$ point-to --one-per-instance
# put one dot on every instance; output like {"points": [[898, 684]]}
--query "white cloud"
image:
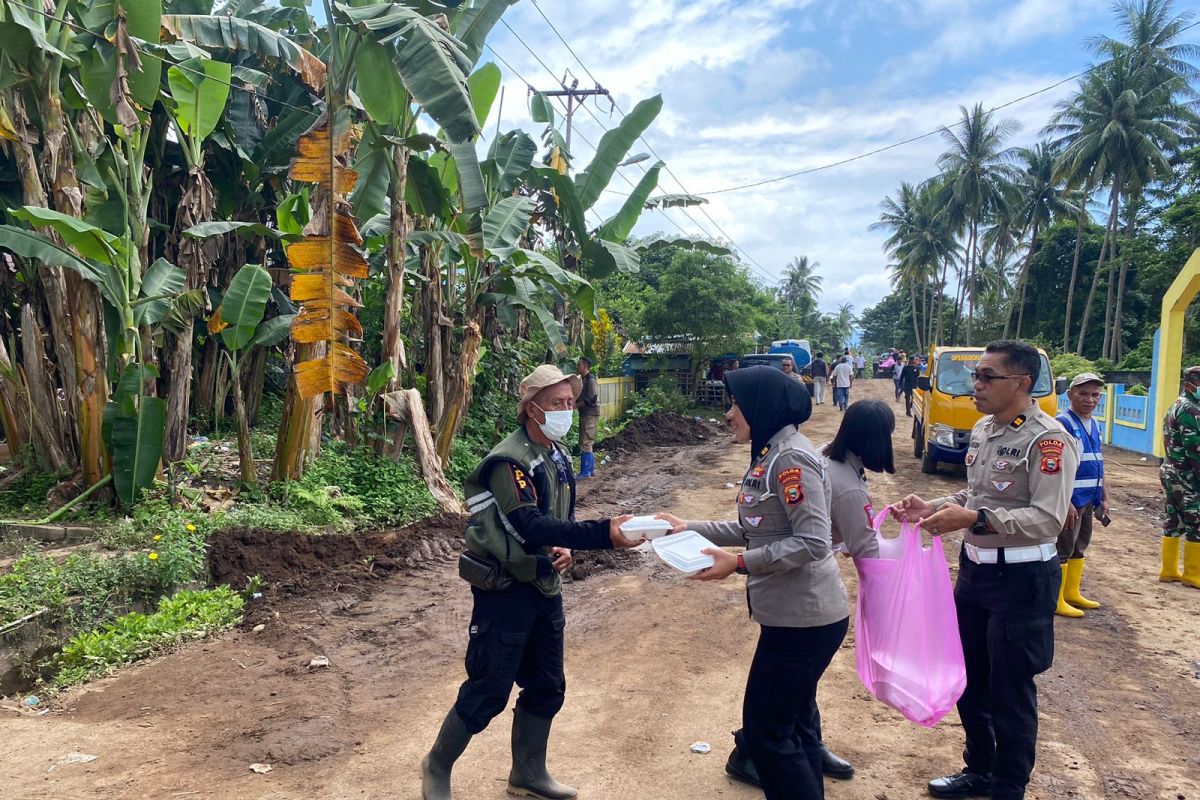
{"points": [[754, 91]]}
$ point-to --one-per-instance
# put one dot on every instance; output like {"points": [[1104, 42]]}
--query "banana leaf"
{"points": [[137, 446], [618, 227], [243, 306], [614, 146]]}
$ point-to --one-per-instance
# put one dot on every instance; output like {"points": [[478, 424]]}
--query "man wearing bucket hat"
{"points": [[1020, 472], [522, 503], [1089, 497]]}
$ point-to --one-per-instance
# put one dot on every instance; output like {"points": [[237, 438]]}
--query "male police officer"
{"points": [[1180, 474], [522, 502], [1020, 469]]}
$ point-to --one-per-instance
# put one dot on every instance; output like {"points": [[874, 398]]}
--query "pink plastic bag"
{"points": [[907, 647]]}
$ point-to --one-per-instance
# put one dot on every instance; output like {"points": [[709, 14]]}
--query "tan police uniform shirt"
{"points": [[850, 511], [1021, 475], [783, 522]]}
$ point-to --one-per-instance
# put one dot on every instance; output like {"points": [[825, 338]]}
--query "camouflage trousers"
{"points": [[1182, 489]]}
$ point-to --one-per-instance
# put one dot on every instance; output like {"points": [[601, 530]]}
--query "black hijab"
{"points": [[769, 400]]}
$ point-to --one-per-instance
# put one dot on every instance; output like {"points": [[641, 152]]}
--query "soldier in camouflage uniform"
{"points": [[1180, 476]]}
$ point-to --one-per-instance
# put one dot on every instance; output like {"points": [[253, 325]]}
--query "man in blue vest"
{"points": [[1089, 499]]}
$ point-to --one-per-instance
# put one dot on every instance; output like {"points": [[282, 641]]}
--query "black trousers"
{"points": [[1006, 621], [516, 636], [779, 723], [908, 397]]}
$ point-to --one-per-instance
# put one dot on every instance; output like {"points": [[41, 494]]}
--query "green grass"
{"points": [[134, 636]]}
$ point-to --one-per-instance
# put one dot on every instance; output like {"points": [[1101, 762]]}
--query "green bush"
{"points": [[1068, 365], [26, 494], [1137, 390], [1140, 357], [661, 395], [356, 483], [188, 614]]}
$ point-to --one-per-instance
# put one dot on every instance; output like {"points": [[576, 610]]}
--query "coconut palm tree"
{"points": [[1119, 131], [800, 287], [1040, 197], [977, 166]]}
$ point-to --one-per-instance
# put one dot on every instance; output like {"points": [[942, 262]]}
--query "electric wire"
{"points": [[752, 262]]}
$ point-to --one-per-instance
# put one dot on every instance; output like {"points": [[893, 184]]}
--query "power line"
{"points": [[885, 148], [761, 269]]}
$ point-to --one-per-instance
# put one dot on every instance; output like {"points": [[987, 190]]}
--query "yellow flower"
{"points": [[190, 527], [158, 538], [153, 556]]}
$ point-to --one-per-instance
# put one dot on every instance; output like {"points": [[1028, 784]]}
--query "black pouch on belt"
{"points": [[483, 572]]}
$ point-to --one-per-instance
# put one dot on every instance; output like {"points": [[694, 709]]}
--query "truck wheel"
{"points": [[918, 435], [929, 464]]}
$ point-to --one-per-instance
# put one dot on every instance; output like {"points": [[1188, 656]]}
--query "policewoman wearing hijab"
{"points": [[794, 590], [522, 502]]}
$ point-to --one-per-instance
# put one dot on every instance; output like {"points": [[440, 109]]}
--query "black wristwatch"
{"points": [[980, 528]]}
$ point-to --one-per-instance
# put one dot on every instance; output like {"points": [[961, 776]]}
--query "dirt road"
{"points": [[654, 664]]}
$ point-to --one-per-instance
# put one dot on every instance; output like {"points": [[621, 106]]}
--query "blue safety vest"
{"points": [[1089, 477]]}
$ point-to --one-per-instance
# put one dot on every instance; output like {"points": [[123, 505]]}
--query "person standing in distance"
{"points": [[897, 373], [589, 418], [843, 379], [820, 374], [860, 365], [1020, 471], [522, 503], [789, 369], [1089, 498], [1180, 475], [908, 382]]}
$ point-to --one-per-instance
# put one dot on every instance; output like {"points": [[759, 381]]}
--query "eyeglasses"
{"points": [[987, 377]]}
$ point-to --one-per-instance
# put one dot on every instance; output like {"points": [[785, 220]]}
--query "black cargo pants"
{"points": [[516, 636], [1006, 621]]}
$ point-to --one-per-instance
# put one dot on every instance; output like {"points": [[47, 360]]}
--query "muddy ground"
{"points": [[654, 664]]}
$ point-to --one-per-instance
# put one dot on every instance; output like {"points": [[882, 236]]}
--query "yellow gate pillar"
{"points": [[1169, 357]]}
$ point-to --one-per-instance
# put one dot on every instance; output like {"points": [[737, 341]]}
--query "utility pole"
{"points": [[575, 98]]}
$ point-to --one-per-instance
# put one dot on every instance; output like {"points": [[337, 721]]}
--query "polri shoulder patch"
{"points": [[523, 484], [790, 486]]}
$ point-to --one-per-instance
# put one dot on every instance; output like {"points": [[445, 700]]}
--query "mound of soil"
{"points": [[660, 429], [308, 561]]}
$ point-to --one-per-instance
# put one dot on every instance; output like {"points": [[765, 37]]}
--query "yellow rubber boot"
{"points": [[1074, 575], [1170, 559], [1063, 609], [1191, 564]]}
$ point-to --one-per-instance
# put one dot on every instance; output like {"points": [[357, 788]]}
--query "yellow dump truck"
{"points": [[944, 411]]}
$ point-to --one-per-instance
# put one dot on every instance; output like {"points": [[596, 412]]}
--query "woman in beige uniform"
{"points": [[793, 588]]}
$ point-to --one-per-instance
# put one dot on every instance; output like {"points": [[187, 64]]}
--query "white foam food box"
{"points": [[682, 551], [644, 527]]}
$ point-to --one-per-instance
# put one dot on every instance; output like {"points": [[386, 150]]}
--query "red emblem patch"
{"points": [[790, 486], [1051, 465], [758, 471], [870, 515]]}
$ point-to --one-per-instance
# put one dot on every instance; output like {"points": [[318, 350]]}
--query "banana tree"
{"points": [[239, 321], [199, 91]]}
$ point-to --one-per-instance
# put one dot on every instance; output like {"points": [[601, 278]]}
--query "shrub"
{"points": [[1068, 365], [661, 395], [355, 482], [1137, 390], [188, 614]]}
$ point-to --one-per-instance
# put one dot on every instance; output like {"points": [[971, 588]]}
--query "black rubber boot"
{"points": [[739, 765], [835, 767], [451, 741], [529, 777]]}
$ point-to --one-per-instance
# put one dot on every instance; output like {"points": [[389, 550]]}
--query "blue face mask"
{"points": [[1196, 394]]}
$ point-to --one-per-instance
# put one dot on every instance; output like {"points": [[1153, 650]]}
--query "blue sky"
{"points": [[757, 89]]}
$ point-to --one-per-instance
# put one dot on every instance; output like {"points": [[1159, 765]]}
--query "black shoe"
{"points": [[961, 784], [835, 767], [742, 768]]}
